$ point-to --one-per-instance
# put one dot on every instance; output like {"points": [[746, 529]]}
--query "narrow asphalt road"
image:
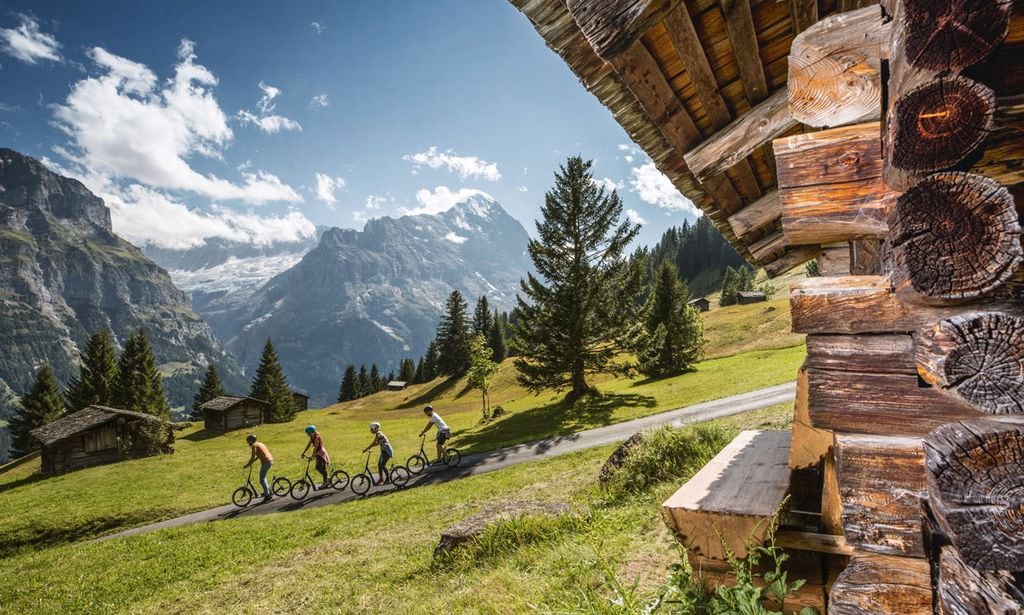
{"points": [[503, 457]]}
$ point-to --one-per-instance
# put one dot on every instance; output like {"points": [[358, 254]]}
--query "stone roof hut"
{"points": [[229, 412]]}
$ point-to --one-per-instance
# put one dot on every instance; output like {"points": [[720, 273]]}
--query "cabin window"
{"points": [[102, 439]]}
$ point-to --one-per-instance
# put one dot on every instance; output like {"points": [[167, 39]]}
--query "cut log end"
{"points": [[975, 473], [938, 124], [950, 36], [978, 357], [964, 590], [954, 236]]}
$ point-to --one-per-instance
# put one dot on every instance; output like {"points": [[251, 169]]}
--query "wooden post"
{"points": [[977, 357], [954, 236], [976, 490]]}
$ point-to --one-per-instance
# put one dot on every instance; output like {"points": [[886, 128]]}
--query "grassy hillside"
{"points": [[374, 555]]}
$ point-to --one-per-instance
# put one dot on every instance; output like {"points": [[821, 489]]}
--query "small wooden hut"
{"points": [[885, 139], [98, 435], [229, 412], [745, 297], [701, 304], [301, 401], [396, 385]]}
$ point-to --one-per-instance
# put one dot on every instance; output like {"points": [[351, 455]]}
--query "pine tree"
{"points": [[349, 389], [43, 404], [430, 362], [453, 338], [407, 372], [374, 379], [96, 375], [210, 389], [674, 331], [139, 386], [481, 368], [271, 385], [577, 317], [365, 386], [496, 340], [418, 377], [730, 287], [482, 317]]}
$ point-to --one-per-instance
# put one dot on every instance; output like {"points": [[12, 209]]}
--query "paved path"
{"points": [[505, 457]]}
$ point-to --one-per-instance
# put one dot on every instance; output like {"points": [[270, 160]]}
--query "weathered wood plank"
{"points": [[831, 500], [732, 495], [756, 215], [881, 485], [792, 257], [885, 353], [882, 585], [810, 541], [879, 404], [772, 244], [976, 491], [641, 74], [977, 357], [739, 139], [739, 23], [830, 186], [808, 445], [835, 74], [962, 590], [1002, 157], [611, 26], [834, 260], [803, 13], [866, 257]]}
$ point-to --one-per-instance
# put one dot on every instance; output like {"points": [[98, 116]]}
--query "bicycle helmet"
{"points": [[374, 426], [428, 409], [250, 438], [310, 429]]}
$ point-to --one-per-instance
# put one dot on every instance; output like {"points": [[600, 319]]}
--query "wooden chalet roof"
{"points": [[697, 83], [226, 402], [84, 420]]}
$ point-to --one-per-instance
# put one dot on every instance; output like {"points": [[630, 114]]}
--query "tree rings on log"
{"points": [[954, 236], [962, 590], [936, 125], [977, 357], [975, 474], [950, 35]]}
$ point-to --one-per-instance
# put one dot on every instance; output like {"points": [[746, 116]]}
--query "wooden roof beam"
{"points": [[803, 13], [612, 26], [756, 215], [739, 139], [739, 23]]}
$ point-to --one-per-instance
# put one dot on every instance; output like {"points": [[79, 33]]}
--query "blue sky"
{"points": [[198, 119]]}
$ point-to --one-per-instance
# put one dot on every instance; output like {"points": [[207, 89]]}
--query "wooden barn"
{"points": [[98, 435], [396, 385], [887, 141], [301, 401], [745, 297], [701, 304], [228, 412]]}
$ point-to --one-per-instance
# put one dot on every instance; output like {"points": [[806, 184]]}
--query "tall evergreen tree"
{"points": [[407, 372], [482, 317], [430, 362], [365, 386], [41, 405], [139, 386], [419, 377], [496, 340], [349, 389], [375, 379], [210, 389], [577, 316], [271, 385], [97, 374], [453, 337], [673, 339]]}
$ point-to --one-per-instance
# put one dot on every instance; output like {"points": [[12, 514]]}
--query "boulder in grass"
{"points": [[618, 457], [470, 528]]}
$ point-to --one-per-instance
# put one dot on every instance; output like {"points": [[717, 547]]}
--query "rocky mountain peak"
{"points": [[27, 187]]}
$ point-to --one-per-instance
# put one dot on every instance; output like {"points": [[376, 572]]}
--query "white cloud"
{"points": [[319, 101], [126, 124], [318, 27], [466, 166], [375, 201], [5, 108], [456, 239], [655, 188], [634, 216], [522, 188], [266, 120], [625, 147], [28, 44], [440, 199], [326, 186], [609, 184]]}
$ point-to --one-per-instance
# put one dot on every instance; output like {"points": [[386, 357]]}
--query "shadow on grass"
{"points": [[557, 419], [199, 436], [430, 394], [27, 480]]}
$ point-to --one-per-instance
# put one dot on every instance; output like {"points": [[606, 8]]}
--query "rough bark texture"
{"points": [[978, 357], [611, 26], [962, 590], [891, 354], [954, 236], [935, 126], [882, 585], [975, 472]]}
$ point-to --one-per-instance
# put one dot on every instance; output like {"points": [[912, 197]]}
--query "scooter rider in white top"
{"points": [[443, 433]]}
